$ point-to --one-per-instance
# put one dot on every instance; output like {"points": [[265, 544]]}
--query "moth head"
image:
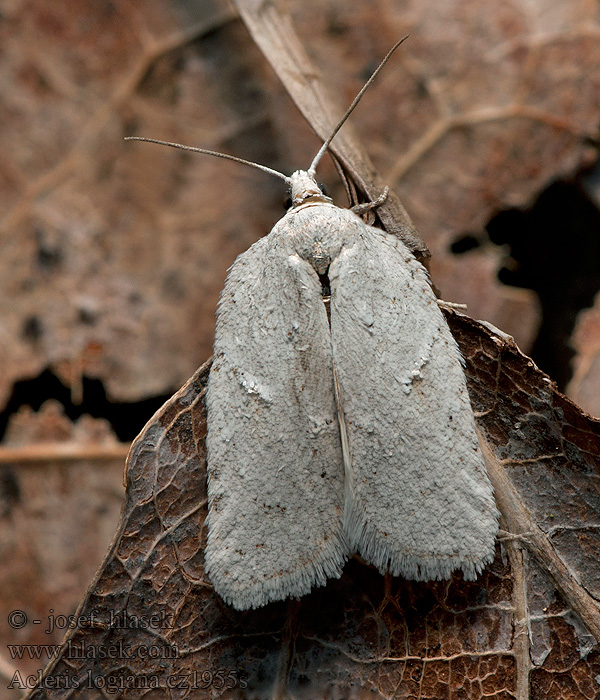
{"points": [[304, 188]]}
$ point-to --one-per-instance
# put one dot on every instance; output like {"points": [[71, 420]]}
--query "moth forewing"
{"points": [[421, 505], [275, 474]]}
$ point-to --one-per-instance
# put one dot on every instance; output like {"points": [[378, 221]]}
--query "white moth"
{"points": [[330, 434]]}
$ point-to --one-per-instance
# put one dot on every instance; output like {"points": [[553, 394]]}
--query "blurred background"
{"points": [[113, 254]]}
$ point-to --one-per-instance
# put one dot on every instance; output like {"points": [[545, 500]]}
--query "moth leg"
{"points": [[451, 306], [360, 209]]}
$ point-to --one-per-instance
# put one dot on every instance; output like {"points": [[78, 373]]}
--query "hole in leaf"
{"points": [[554, 250], [126, 419]]}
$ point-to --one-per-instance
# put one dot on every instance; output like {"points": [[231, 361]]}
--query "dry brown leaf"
{"points": [[512, 630], [97, 262]]}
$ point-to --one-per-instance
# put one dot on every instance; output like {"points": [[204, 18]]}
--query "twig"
{"points": [[63, 452]]}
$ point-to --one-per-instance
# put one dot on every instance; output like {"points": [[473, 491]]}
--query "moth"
{"points": [[338, 415]]}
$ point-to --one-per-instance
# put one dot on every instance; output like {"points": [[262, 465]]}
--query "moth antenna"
{"points": [[348, 112], [264, 168]]}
